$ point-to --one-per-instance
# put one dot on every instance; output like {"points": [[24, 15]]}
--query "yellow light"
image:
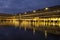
{"points": [[16, 23], [36, 18]]}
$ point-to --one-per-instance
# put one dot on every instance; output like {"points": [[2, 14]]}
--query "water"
{"points": [[12, 33], [53, 37]]}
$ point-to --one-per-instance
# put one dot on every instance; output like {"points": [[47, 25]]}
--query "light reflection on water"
{"points": [[12, 33], [49, 24], [36, 22]]}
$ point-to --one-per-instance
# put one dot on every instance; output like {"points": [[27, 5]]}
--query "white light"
{"points": [[34, 11], [46, 8]]}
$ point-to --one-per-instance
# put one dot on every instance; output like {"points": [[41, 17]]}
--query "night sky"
{"points": [[16, 6]]}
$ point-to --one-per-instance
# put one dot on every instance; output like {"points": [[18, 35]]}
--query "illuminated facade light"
{"points": [[46, 8], [34, 11], [58, 10]]}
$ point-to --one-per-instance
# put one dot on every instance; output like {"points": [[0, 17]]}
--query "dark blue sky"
{"points": [[15, 6]]}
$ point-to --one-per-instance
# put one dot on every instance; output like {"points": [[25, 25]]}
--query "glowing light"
{"points": [[36, 18], [46, 8], [16, 23], [34, 11], [54, 18]]}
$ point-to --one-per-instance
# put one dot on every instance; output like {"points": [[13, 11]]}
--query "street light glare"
{"points": [[46, 8]]}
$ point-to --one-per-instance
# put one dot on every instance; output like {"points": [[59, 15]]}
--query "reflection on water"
{"points": [[52, 25], [42, 22], [30, 29], [12, 33], [37, 22]]}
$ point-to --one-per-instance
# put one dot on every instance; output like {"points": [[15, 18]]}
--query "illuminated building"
{"points": [[43, 20]]}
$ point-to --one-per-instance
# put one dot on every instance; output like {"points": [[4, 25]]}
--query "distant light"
{"points": [[34, 11], [25, 13], [46, 8], [58, 10]]}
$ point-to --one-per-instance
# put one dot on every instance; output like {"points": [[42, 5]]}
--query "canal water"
{"points": [[13, 33]]}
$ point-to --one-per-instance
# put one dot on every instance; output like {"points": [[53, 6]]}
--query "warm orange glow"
{"points": [[37, 22]]}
